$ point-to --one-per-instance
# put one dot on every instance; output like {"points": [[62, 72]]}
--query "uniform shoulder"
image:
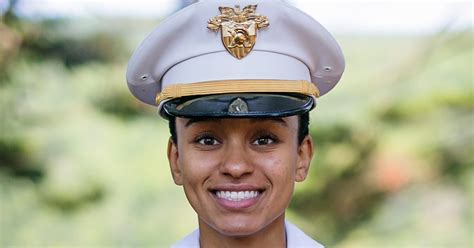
{"points": [[190, 241], [297, 238]]}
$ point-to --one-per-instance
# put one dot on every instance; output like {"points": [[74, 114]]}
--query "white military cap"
{"points": [[235, 58]]}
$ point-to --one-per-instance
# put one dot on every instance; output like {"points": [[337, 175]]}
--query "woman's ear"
{"points": [[173, 159], [305, 154]]}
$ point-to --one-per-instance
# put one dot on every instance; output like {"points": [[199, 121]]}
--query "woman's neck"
{"points": [[272, 235]]}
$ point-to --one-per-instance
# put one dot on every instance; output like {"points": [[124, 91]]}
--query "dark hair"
{"points": [[303, 127]]}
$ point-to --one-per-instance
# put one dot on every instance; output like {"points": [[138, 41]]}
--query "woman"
{"points": [[236, 80]]}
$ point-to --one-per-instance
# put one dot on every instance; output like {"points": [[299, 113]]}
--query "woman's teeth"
{"points": [[236, 195]]}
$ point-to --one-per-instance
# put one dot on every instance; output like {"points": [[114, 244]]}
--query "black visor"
{"points": [[238, 105]]}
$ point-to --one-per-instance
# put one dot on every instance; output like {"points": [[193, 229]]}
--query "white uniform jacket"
{"points": [[295, 238]]}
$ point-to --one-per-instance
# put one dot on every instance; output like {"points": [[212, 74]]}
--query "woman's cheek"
{"points": [[196, 163]]}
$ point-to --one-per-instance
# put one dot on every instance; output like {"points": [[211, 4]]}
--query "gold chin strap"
{"points": [[237, 86]]}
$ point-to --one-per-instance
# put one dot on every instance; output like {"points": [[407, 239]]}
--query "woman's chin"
{"points": [[243, 225], [238, 229]]}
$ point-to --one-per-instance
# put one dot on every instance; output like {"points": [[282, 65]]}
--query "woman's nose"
{"points": [[237, 161]]}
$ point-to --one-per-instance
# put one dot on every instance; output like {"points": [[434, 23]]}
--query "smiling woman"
{"points": [[239, 175], [237, 104]]}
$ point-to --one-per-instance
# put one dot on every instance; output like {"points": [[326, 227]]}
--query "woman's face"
{"points": [[239, 174]]}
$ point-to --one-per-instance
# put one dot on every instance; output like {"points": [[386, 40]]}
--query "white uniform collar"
{"points": [[295, 238]]}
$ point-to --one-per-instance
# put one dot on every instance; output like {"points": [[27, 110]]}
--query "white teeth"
{"points": [[237, 195]]}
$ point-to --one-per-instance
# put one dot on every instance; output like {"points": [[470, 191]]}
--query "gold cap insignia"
{"points": [[238, 28]]}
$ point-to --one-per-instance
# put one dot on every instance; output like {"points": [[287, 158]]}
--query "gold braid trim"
{"points": [[237, 86]]}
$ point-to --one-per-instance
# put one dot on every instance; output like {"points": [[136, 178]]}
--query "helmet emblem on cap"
{"points": [[238, 106], [238, 28]]}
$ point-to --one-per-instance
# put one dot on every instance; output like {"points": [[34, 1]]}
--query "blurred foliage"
{"points": [[119, 103], [339, 191], [78, 154], [71, 51], [16, 159], [47, 39], [9, 47], [420, 134]]}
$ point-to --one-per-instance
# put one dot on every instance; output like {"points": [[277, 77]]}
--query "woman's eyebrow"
{"points": [[196, 120], [275, 119]]}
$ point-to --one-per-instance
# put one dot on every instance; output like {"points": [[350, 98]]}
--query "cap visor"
{"points": [[238, 105]]}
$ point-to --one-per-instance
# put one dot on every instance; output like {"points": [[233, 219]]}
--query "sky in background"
{"points": [[343, 16]]}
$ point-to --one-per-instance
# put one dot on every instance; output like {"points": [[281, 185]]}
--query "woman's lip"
{"points": [[236, 187], [236, 205]]}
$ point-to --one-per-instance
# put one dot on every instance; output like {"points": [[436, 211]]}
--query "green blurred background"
{"points": [[83, 163]]}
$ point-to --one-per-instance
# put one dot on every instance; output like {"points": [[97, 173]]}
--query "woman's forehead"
{"points": [[280, 121]]}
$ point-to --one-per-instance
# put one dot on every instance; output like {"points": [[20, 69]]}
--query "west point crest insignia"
{"points": [[238, 28]]}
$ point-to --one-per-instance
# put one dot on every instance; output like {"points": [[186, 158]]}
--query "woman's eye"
{"points": [[264, 141], [208, 141]]}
